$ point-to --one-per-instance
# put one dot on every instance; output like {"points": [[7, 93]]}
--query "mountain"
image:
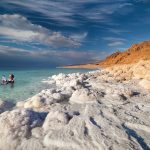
{"points": [[134, 54]]}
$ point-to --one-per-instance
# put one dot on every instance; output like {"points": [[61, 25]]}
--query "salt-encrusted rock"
{"points": [[72, 136], [67, 92], [59, 79], [83, 96], [55, 120], [37, 132], [50, 91], [37, 101], [28, 104], [145, 84], [59, 76], [16, 125], [46, 97], [86, 133], [76, 83], [58, 97], [20, 104], [5, 105], [31, 144]]}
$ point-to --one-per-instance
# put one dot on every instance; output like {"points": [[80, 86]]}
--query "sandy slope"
{"points": [[88, 111]]}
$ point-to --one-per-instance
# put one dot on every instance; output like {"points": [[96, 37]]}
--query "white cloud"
{"points": [[102, 13], [17, 27], [64, 11], [117, 31], [114, 41], [48, 55], [13, 51], [10, 51], [23, 35], [79, 37]]}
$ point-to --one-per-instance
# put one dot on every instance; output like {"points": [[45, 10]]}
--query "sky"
{"points": [[50, 33]]}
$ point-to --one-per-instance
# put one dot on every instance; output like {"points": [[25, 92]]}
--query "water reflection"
{"points": [[11, 85]]}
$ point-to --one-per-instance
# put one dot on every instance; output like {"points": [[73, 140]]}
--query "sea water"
{"points": [[28, 82]]}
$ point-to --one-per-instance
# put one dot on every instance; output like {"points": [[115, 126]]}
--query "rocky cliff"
{"points": [[134, 54]]}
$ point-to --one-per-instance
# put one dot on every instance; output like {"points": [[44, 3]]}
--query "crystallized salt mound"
{"points": [[85, 133], [36, 102], [16, 125], [55, 120], [46, 97], [83, 96]]}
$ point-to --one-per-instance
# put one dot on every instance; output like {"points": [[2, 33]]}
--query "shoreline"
{"points": [[86, 66], [92, 110], [79, 67]]}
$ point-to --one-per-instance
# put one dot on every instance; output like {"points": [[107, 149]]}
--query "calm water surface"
{"points": [[28, 82]]}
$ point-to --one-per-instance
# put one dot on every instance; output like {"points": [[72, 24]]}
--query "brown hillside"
{"points": [[135, 53]]}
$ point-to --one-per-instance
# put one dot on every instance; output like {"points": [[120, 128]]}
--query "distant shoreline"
{"points": [[85, 66]]}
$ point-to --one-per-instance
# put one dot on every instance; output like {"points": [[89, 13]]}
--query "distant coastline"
{"points": [[136, 52], [82, 66]]}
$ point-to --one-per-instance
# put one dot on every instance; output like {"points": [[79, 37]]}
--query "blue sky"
{"points": [[61, 32]]}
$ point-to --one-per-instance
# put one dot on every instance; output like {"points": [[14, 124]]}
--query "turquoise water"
{"points": [[28, 82]]}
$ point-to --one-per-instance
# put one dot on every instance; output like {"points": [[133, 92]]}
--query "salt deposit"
{"points": [[89, 111]]}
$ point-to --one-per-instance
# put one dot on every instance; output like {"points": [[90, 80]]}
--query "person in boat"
{"points": [[11, 78], [4, 80]]}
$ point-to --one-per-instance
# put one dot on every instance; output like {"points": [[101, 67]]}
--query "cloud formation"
{"points": [[8, 54], [20, 28], [69, 12], [114, 41]]}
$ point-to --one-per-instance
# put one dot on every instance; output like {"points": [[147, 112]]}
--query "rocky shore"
{"points": [[98, 110]]}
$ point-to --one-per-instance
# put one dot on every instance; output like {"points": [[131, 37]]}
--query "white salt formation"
{"points": [[86, 111]]}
